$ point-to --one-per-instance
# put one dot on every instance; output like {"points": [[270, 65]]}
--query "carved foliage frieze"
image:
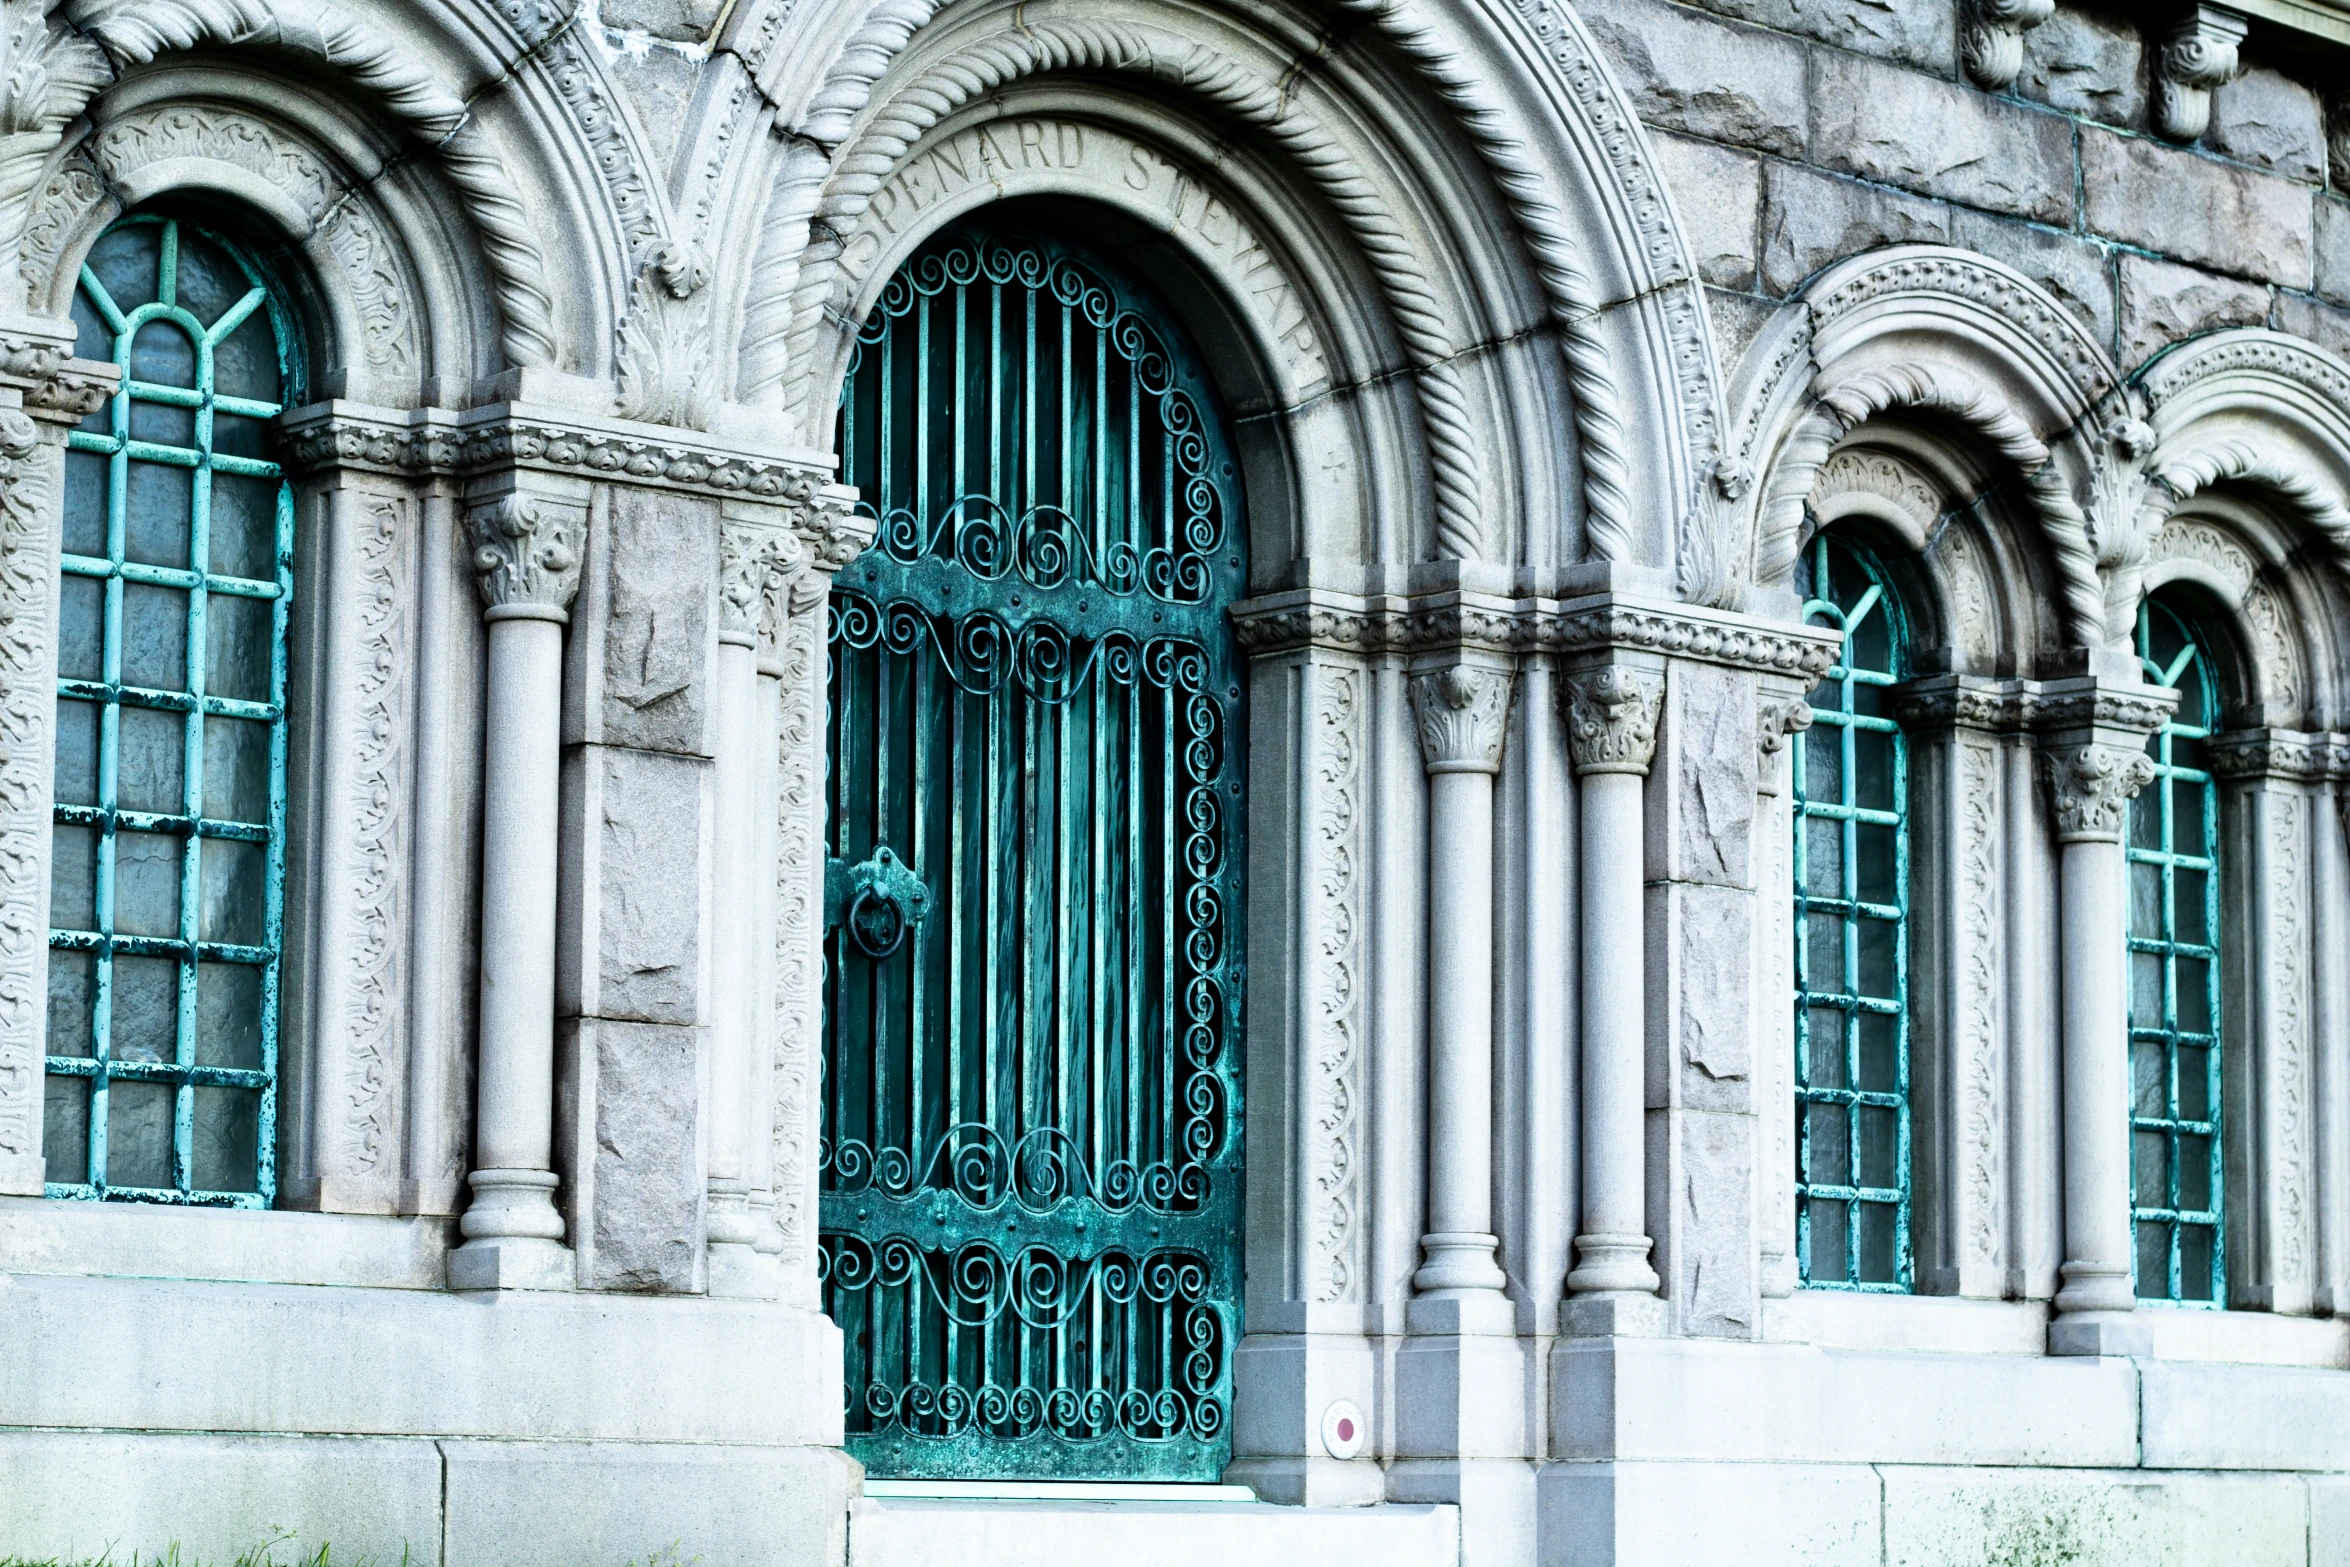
{"points": [[1333, 1223], [1978, 984], [2287, 1054]]}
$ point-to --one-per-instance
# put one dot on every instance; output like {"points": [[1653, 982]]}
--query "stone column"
{"points": [[1461, 1433], [2095, 769], [1611, 728], [527, 557], [741, 1105], [1463, 716]]}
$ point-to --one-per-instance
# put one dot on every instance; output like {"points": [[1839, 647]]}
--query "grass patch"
{"points": [[279, 1550]]}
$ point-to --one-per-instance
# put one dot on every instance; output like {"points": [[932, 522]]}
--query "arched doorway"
{"points": [[1031, 1160]]}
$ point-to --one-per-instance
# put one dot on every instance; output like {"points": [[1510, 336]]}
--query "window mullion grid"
{"points": [[192, 775]]}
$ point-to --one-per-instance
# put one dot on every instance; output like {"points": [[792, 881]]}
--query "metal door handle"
{"points": [[879, 899]]}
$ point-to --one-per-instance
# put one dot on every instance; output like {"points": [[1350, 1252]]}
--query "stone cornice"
{"points": [[2282, 755], [36, 359], [433, 442], [2018, 706], [1318, 617]]}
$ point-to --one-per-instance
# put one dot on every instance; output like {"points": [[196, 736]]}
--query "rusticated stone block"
{"points": [[648, 1183], [681, 21], [2163, 304], [2266, 118], [661, 555], [1737, 319], [1914, 32], [2196, 209], [1713, 1248], [1812, 219], [1688, 73], [2079, 272], [1719, 194], [2328, 326], [2088, 65], [2333, 248], [1941, 139], [649, 886], [1712, 1022]]}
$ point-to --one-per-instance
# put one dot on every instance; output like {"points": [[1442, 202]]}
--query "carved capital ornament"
{"points": [[1611, 719], [2093, 786], [526, 557], [1463, 717]]}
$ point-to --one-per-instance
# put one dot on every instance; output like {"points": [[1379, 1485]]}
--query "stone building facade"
{"points": [[1421, 781]]}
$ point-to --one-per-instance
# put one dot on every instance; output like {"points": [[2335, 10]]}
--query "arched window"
{"points": [[168, 876], [2175, 1172], [1852, 1189]]}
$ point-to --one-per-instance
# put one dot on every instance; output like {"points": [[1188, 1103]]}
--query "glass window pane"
{"points": [[1879, 944], [236, 878], [73, 994], [1876, 868], [1828, 1240], [236, 770], [238, 635], [164, 354], [227, 1139], [244, 364], [2194, 995], [124, 261], [2145, 899], [154, 637], [162, 424], [2187, 804], [1879, 1039], [146, 995], [2190, 889], [244, 527], [1823, 857], [2146, 819], [1879, 1257], [73, 877], [2195, 1262], [1829, 1146], [1823, 936], [2153, 1261], [150, 760], [1872, 769], [228, 1015], [2195, 1097], [2149, 1079], [1824, 1050], [138, 1133], [160, 500], [1879, 1131], [146, 884], [210, 281], [81, 628], [1823, 763], [2146, 1006], [2194, 1173], [76, 773], [65, 1130], [85, 503], [2150, 1169]]}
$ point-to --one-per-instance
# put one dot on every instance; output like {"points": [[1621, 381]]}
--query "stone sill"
{"points": [[1941, 1324], [134, 1240]]}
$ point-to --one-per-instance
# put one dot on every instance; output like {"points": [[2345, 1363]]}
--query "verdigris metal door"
{"points": [[1031, 1158]]}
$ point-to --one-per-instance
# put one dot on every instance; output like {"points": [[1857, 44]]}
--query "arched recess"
{"points": [[1970, 374], [2247, 494], [1435, 261], [476, 171]]}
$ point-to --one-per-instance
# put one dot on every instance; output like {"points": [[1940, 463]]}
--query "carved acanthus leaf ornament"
{"points": [[2093, 785], [526, 552], [1463, 716], [1611, 719]]}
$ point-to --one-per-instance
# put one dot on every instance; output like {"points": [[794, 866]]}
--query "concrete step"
{"points": [[1137, 1526]]}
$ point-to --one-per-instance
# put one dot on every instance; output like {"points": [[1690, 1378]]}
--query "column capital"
{"points": [[1462, 711], [2093, 786], [758, 560], [526, 555], [1611, 718], [37, 364]]}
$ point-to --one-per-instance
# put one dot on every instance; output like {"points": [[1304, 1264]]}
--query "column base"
{"points": [[2096, 1286], [1614, 1264], [1614, 1316], [1458, 1260], [511, 1262], [743, 1272], [1483, 1311], [2118, 1333]]}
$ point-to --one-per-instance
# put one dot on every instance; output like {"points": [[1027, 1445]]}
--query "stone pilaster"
{"points": [[2272, 803], [42, 392], [1779, 713]]}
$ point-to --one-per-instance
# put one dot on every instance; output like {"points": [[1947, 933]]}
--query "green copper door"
{"points": [[1031, 1158]]}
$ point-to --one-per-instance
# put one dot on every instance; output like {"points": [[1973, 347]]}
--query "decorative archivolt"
{"points": [[62, 71], [789, 291]]}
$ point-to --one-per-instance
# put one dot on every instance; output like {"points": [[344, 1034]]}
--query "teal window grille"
{"points": [[1852, 1196], [168, 879], [1031, 1165], [2176, 1175]]}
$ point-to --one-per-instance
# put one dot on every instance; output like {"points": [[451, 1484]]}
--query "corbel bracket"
{"points": [[2198, 55]]}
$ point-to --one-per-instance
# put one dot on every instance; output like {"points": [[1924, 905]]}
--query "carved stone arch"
{"points": [[2240, 585], [258, 144], [114, 39], [1949, 569], [1926, 333], [1609, 278], [2252, 434]]}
